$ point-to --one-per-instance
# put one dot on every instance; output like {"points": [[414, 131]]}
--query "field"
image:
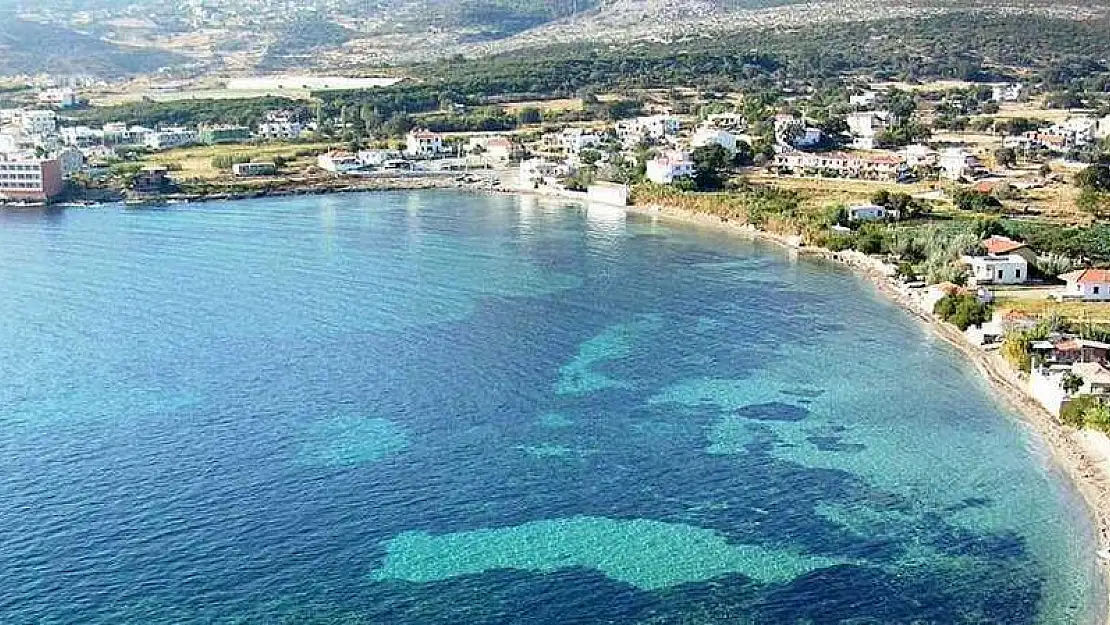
{"points": [[563, 104], [196, 162], [1094, 312], [296, 87]]}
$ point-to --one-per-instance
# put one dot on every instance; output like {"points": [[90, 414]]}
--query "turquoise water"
{"points": [[431, 407]]}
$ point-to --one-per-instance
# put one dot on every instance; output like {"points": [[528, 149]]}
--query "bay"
{"points": [[434, 407]]}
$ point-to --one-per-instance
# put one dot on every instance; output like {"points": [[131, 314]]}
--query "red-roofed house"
{"points": [[1004, 246], [1087, 285]]}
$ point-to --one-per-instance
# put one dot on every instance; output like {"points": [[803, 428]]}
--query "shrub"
{"points": [[962, 310]]}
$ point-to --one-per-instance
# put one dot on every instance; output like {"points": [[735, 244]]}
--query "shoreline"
{"points": [[1082, 457]]}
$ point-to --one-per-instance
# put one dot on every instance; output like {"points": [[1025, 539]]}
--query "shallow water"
{"points": [[430, 407]]}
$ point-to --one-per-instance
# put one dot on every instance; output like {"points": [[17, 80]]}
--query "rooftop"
{"points": [[998, 245], [1087, 276]]}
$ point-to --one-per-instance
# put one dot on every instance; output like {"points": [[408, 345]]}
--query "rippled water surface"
{"points": [[440, 408]]}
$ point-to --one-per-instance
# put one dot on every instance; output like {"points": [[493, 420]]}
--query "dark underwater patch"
{"points": [[835, 443], [773, 411]]}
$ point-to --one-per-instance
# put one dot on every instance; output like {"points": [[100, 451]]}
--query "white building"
{"points": [[495, 150], [918, 154], [167, 138], [338, 162], [712, 136], [377, 158], [1009, 269], [1046, 384], [1102, 131], [61, 97], [1007, 92], [793, 132], [70, 160], [956, 163], [659, 126], [81, 136], [423, 144], [666, 168], [1087, 285], [574, 140], [865, 127], [863, 100], [538, 172], [246, 170], [866, 212], [38, 122], [286, 130]]}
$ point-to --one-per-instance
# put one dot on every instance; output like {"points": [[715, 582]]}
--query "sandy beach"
{"points": [[1083, 456]]}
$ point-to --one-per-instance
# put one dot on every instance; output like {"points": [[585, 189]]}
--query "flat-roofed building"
{"points": [[34, 180]]}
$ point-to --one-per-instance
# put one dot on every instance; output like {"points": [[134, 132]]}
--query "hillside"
{"points": [[29, 48], [353, 35]]}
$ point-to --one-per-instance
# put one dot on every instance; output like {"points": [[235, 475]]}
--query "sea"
{"points": [[442, 407]]}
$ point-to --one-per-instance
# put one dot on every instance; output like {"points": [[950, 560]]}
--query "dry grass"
{"points": [[196, 162], [564, 104], [1094, 312], [832, 190]]}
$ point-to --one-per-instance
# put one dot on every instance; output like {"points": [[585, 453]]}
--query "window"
{"points": [[1017, 274], [999, 274], [1096, 290]]}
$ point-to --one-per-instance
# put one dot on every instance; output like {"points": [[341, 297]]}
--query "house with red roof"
{"points": [[998, 245], [1089, 285]]}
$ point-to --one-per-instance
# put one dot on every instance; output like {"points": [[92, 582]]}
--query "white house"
{"points": [[1087, 285], [866, 212], [286, 130], [498, 150], [1102, 131], [918, 154], [574, 140], [1009, 269], [1046, 384], [70, 160], [659, 126], [957, 163], [666, 168], [61, 97], [338, 162], [792, 131], [712, 136], [38, 122], [865, 99], [538, 172], [377, 158], [170, 138], [865, 127], [423, 143], [1007, 92]]}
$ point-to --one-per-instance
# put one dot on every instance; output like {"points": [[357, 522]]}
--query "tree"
{"points": [[1071, 383], [1095, 178], [975, 201], [1005, 157], [1093, 202], [529, 115], [589, 157], [962, 310], [710, 164]]}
